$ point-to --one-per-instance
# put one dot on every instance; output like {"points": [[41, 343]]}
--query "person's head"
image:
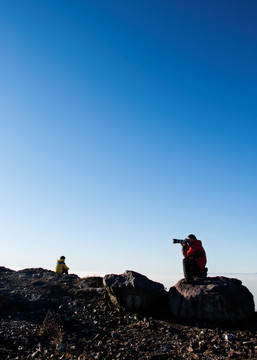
{"points": [[62, 257], [191, 237]]}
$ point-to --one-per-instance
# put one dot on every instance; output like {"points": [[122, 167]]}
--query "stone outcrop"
{"points": [[134, 292], [215, 299], [49, 316]]}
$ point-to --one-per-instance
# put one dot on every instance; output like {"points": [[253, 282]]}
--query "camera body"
{"points": [[180, 241]]}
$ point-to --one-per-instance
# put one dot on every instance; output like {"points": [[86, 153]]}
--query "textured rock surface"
{"points": [[211, 299], [134, 292], [78, 322]]}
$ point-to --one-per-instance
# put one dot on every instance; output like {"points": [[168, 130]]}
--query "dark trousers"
{"points": [[64, 271], [191, 269]]}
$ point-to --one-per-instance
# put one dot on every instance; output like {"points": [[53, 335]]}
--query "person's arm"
{"points": [[185, 249], [190, 252], [195, 253]]}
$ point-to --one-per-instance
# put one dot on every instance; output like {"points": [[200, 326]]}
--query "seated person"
{"points": [[61, 267], [194, 258]]}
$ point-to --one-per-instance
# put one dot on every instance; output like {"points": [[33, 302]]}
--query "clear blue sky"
{"points": [[124, 124]]}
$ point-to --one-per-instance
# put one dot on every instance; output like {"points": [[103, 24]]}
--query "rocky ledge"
{"points": [[48, 316]]}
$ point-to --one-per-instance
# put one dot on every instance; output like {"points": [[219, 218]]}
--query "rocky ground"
{"points": [[48, 316]]}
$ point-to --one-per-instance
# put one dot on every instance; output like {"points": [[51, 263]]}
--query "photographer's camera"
{"points": [[180, 241]]}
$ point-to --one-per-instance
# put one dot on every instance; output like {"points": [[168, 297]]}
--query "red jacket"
{"points": [[195, 251]]}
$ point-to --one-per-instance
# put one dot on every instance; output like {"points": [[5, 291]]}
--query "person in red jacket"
{"points": [[194, 258]]}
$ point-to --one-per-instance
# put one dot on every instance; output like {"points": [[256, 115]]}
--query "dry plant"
{"points": [[51, 327]]}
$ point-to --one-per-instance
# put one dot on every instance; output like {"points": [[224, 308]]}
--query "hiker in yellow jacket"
{"points": [[61, 267]]}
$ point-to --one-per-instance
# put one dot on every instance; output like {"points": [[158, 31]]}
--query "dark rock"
{"points": [[93, 281], [4, 270], [133, 291], [45, 316], [218, 299]]}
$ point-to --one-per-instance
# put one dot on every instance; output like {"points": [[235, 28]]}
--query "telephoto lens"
{"points": [[180, 241], [177, 241]]}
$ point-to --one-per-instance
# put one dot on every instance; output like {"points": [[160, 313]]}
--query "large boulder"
{"points": [[216, 299], [135, 292]]}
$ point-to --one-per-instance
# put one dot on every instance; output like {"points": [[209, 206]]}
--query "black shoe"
{"points": [[205, 271]]}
